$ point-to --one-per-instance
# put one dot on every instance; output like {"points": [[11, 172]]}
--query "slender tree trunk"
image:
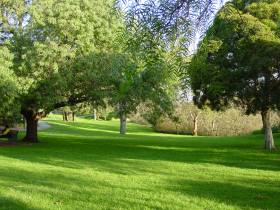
{"points": [[73, 116], [94, 114], [31, 126], [268, 136], [213, 127], [195, 122], [66, 116], [123, 123]]}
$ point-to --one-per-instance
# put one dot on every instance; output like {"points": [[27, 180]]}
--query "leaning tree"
{"points": [[239, 61], [54, 44]]}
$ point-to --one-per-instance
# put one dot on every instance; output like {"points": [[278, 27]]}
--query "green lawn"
{"points": [[88, 165]]}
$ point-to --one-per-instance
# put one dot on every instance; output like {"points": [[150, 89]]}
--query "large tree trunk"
{"points": [[123, 123], [31, 126], [268, 136]]}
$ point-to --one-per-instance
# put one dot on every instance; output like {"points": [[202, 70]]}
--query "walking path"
{"points": [[43, 125]]}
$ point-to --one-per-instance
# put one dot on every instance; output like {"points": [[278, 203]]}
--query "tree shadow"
{"points": [[7, 203], [101, 126], [77, 190], [79, 146], [248, 194], [85, 147]]}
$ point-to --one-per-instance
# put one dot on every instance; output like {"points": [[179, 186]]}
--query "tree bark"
{"points": [[31, 126], [123, 123], [94, 114], [73, 116], [268, 136], [66, 116], [213, 127], [195, 122]]}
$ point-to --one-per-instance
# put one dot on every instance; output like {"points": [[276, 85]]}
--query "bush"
{"points": [[112, 115], [232, 122]]}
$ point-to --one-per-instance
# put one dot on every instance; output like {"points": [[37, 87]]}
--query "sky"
{"points": [[199, 36]]}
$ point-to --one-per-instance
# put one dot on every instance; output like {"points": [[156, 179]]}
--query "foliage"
{"points": [[171, 20], [50, 41], [143, 71], [58, 49], [9, 109], [240, 62], [231, 122]]}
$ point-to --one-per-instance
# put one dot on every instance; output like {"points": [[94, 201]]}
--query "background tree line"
{"points": [[188, 119]]}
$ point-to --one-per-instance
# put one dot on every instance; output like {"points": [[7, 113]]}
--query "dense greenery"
{"points": [[100, 56], [232, 122], [8, 87], [56, 55], [238, 61], [110, 57], [155, 79], [87, 165], [60, 59]]}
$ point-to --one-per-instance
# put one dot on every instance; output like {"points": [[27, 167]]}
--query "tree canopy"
{"points": [[52, 44], [8, 86], [238, 61]]}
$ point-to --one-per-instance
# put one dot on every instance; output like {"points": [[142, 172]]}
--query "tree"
{"points": [[142, 71], [170, 18], [238, 61], [54, 44]]}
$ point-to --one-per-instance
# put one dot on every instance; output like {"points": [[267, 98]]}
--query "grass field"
{"points": [[88, 165]]}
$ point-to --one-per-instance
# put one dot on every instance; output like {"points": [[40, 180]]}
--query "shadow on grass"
{"points": [[248, 194], [98, 146], [7, 203], [74, 189], [95, 144], [244, 194], [101, 127], [78, 145]]}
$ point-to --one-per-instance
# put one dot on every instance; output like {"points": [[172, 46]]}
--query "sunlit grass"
{"points": [[88, 165]]}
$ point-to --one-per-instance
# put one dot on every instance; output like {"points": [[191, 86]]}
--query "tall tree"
{"points": [[53, 44], [238, 61], [142, 71]]}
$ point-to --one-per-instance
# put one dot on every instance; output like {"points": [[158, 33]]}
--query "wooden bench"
{"points": [[12, 135]]}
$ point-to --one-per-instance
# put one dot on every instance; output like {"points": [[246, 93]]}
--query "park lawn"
{"points": [[88, 165]]}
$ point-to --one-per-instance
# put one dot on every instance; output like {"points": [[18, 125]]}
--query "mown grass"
{"points": [[88, 165]]}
